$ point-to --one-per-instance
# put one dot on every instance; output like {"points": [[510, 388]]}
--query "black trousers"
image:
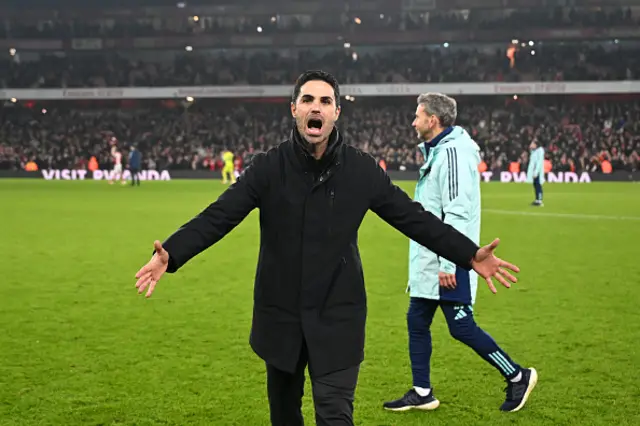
{"points": [[135, 177], [333, 395]]}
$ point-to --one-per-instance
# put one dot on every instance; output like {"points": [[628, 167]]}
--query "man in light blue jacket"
{"points": [[449, 186], [535, 171]]}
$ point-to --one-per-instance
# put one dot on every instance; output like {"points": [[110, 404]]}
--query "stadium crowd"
{"points": [[349, 21], [549, 62], [576, 137]]}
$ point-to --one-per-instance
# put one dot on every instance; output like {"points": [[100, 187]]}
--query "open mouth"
{"points": [[314, 127]]}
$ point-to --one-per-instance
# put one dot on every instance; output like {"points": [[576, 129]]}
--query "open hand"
{"points": [[487, 265], [150, 274]]}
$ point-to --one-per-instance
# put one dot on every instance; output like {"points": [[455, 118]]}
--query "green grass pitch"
{"points": [[78, 346]]}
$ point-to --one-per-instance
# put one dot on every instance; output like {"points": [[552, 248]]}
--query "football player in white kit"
{"points": [[117, 166]]}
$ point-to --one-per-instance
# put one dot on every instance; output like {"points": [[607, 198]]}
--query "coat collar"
{"points": [[426, 146], [303, 154]]}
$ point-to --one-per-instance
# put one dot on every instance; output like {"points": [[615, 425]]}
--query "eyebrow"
{"points": [[323, 98]]}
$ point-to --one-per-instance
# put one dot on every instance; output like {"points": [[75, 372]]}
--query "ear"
{"points": [[338, 111], [293, 109]]}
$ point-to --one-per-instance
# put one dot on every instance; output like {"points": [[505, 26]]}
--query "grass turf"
{"points": [[78, 346]]}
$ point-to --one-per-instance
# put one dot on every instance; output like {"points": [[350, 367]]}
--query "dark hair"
{"points": [[307, 76]]}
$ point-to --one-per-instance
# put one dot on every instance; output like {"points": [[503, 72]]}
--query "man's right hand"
{"points": [[447, 280], [150, 274]]}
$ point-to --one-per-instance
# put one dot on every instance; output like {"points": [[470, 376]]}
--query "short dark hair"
{"points": [[307, 76]]}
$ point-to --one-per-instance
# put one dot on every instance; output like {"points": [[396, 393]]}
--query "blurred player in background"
{"points": [[227, 169], [117, 166], [535, 172], [135, 164], [449, 187]]}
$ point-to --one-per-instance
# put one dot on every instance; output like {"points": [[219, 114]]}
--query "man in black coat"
{"points": [[313, 192]]}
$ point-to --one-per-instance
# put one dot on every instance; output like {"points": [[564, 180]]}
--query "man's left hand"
{"points": [[487, 265]]}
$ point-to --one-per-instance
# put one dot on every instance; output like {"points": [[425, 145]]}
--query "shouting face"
{"points": [[315, 111]]}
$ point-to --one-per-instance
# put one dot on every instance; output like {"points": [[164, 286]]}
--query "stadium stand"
{"points": [[549, 62], [384, 44], [579, 136]]}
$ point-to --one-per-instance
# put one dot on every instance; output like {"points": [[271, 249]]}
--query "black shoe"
{"points": [[412, 401], [518, 393]]}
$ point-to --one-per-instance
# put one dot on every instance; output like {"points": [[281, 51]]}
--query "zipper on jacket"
{"points": [[304, 213], [332, 197], [325, 175]]}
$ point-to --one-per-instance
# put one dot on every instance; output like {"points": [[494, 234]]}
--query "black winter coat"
{"points": [[309, 282]]}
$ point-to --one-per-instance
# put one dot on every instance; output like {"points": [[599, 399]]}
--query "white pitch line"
{"points": [[554, 194], [562, 215]]}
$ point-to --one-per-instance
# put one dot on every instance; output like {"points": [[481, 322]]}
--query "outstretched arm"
{"points": [[396, 208], [219, 218], [409, 217]]}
